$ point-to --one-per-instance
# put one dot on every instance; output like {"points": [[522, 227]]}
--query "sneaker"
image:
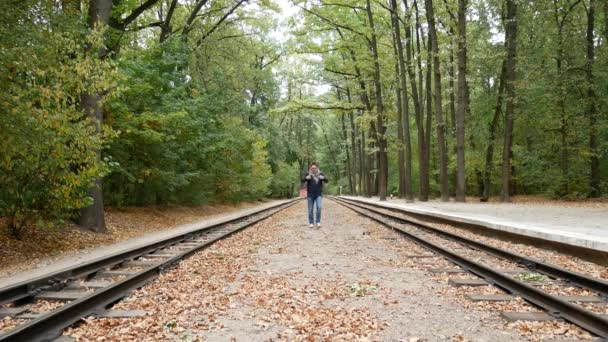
{"points": [[319, 225], [311, 225]]}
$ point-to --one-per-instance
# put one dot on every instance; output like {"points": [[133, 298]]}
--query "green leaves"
{"points": [[48, 148]]}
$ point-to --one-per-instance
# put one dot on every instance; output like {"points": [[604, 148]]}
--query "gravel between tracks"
{"points": [[280, 280], [553, 257]]}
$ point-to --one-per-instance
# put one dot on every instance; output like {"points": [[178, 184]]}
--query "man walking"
{"points": [[314, 179]]}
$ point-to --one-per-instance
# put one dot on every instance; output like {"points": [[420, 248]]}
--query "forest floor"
{"points": [[40, 247], [350, 280]]}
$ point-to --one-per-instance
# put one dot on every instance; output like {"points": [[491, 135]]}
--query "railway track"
{"points": [[503, 269], [90, 288]]}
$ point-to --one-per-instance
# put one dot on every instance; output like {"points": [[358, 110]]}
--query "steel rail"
{"points": [[540, 266], [552, 304], [56, 280], [49, 325]]}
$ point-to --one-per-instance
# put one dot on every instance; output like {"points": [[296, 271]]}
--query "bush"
{"points": [[48, 158]]}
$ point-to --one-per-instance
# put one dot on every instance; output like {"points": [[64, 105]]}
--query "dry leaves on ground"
{"points": [[42, 246], [222, 281]]}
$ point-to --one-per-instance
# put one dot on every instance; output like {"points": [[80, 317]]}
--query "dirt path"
{"points": [[281, 280]]}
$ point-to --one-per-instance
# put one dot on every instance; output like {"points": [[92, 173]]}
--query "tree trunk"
{"points": [[346, 148], [404, 102], [462, 101], [419, 114], [166, 28], [381, 128], [451, 83], [364, 166], [564, 160], [429, 121], [511, 42], [348, 168], [92, 217], [443, 156], [353, 143], [355, 146], [593, 129], [487, 175], [398, 92]]}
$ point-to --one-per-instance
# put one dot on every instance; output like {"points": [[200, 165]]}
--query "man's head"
{"points": [[314, 167]]}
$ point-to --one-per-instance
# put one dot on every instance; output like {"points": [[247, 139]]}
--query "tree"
{"points": [[92, 217], [382, 153], [443, 155], [462, 100], [511, 42], [404, 102], [594, 185]]}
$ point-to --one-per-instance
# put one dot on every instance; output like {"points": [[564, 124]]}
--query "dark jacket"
{"points": [[314, 189]]}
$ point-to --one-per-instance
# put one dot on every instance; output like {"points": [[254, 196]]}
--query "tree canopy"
{"points": [[133, 102]]}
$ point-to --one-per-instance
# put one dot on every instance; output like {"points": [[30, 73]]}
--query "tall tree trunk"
{"points": [[429, 120], [366, 160], [381, 128], [398, 92], [443, 155], [92, 217], [417, 102], [487, 174], [418, 31], [353, 143], [451, 83], [462, 101], [404, 102], [593, 129], [346, 147], [564, 160], [423, 170], [364, 165], [511, 42], [356, 154], [348, 166]]}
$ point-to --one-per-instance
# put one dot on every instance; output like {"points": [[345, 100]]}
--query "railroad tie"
{"points": [[139, 263], [527, 316], [447, 270], [113, 273], [11, 312], [122, 313], [89, 285], [64, 296], [490, 297], [458, 282]]}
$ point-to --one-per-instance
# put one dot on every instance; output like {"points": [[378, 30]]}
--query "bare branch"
{"points": [[122, 24], [217, 25]]}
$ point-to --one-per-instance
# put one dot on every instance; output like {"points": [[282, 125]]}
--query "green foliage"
{"points": [[286, 179], [177, 142], [48, 148], [551, 139]]}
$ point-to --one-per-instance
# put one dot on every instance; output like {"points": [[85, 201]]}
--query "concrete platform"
{"points": [[585, 227]]}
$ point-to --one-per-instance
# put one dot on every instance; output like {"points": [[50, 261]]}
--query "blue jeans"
{"points": [[312, 202]]}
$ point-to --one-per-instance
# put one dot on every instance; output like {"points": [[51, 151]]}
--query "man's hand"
{"points": [[321, 177], [308, 176]]}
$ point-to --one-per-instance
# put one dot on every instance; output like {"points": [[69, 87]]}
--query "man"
{"points": [[314, 179]]}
